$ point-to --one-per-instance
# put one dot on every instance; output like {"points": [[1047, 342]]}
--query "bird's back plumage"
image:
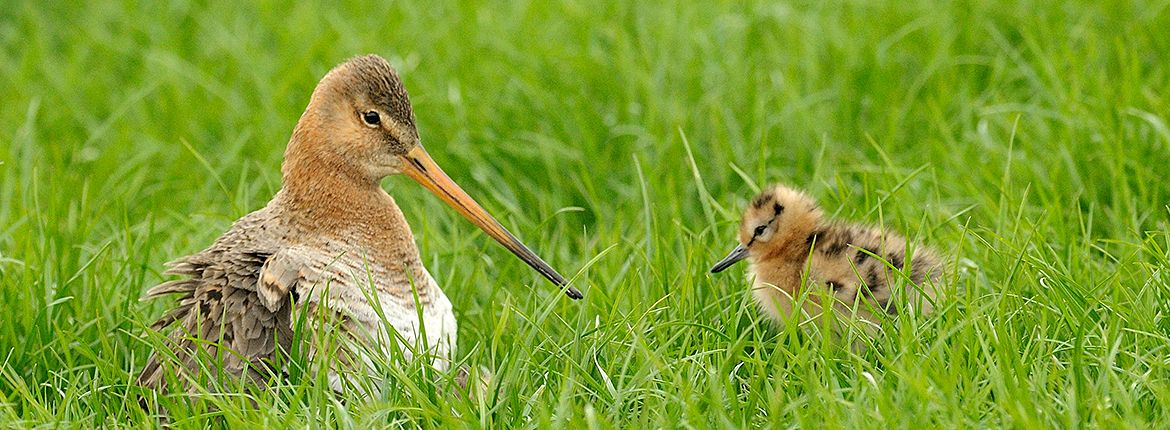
{"points": [[858, 264], [219, 306]]}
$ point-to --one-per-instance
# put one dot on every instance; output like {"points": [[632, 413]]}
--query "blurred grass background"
{"points": [[1027, 140]]}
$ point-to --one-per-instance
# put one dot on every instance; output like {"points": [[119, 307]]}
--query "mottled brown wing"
{"points": [[873, 255], [232, 315]]}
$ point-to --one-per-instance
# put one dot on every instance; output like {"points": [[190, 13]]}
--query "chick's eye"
{"points": [[371, 118], [760, 230]]}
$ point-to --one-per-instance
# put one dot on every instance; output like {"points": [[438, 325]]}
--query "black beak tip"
{"points": [[574, 294], [560, 281], [723, 265]]}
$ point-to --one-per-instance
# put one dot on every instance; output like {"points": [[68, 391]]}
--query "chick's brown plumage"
{"points": [[793, 250]]}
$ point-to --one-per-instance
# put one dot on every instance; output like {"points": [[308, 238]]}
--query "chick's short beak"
{"points": [[418, 165], [739, 253]]}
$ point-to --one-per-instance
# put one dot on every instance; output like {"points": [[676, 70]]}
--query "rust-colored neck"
{"points": [[326, 196]]}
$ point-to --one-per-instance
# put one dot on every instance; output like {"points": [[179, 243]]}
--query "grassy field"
{"points": [[1029, 141]]}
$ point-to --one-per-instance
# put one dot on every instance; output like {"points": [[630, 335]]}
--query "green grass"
{"points": [[1030, 141]]}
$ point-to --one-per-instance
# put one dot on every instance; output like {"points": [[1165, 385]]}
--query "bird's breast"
{"points": [[383, 305]]}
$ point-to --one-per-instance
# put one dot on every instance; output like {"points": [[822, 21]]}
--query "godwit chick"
{"points": [[783, 232], [331, 242]]}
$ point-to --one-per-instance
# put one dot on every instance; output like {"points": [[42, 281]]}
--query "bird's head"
{"points": [[359, 126], [773, 220], [359, 118]]}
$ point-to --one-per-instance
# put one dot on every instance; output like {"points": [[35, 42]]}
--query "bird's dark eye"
{"points": [[371, 118], [760, 230]]}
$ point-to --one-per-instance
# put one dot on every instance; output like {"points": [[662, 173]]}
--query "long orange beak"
{"points": [[418, 165]]}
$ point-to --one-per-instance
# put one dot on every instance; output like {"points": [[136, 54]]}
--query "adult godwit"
{"points": [[331, 244], [783, 232]]}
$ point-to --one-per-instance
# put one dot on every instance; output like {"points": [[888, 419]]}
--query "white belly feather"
{"points": [[382, 322]]}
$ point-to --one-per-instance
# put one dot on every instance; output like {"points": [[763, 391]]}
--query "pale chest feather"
{"points": [[376, 298], [381, 305], [368, 271]]}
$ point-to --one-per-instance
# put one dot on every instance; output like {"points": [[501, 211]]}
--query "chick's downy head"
{"points": [[775, 220]]}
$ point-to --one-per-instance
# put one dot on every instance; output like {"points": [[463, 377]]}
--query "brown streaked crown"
{"points": [[360, 85], [778, 213], [372, 79]]}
